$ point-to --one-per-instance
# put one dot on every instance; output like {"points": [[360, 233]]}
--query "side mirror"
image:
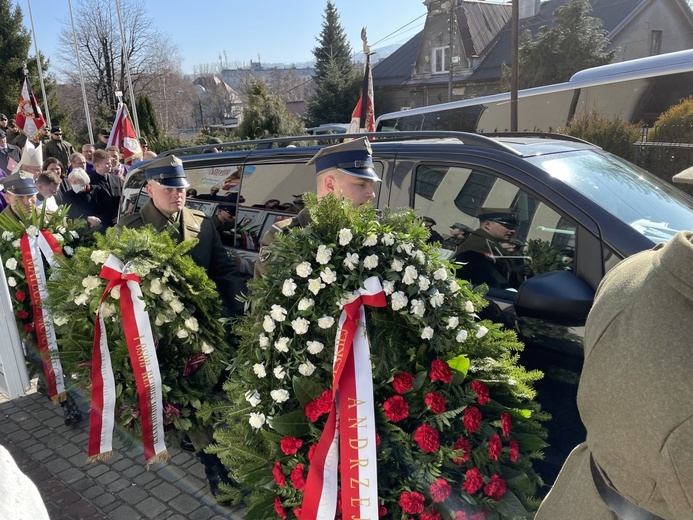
{"points": [[556, 295]]}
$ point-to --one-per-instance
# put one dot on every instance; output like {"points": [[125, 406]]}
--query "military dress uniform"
{"points": [[634, 395], [59, 149]]}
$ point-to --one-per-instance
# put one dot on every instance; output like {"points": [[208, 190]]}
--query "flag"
{"points": [[363, 116], [29, 118], [123, 135]]}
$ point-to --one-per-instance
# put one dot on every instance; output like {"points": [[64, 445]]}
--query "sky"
{"points": [[274, 31]]}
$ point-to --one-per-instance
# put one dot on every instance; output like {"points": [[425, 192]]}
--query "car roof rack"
{"points": [[538, 135], [376, 137]]}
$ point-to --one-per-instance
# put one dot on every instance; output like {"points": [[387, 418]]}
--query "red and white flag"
{"points": [[363, 116], [29, 118], [124, 137]]}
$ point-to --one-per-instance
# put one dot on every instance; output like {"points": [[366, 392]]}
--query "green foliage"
{"points": [[333, 45], [575, 42], [675, 125], [265, 115], [166, 142], [613, 134], [14, 48], [146, 117]]}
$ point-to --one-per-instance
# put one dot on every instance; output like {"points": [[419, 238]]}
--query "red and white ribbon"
{"points": [[351, 423], [145, 366], [32, 247]]}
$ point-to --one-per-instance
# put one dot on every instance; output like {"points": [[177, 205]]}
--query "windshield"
{"points": [[647, 204]]}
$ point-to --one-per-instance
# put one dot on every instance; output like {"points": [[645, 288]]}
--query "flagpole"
{"points": [[81, 76], [127, 71], [364, 91], [40, 69]]}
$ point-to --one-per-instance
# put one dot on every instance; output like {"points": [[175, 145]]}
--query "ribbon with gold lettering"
{"points": [[352, 422], [142, 353], [32, 247]]}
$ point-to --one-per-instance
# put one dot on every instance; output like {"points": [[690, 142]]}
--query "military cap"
{"points": [[56, 129], [351, 157], [3, 117], [143, 141], [226, 207], [430, 221], [167, 171], [19, 183], [504, 216], [461, 227], [105, 132]]}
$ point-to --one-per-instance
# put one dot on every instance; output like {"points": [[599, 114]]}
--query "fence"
{"points": [[665, 150]]}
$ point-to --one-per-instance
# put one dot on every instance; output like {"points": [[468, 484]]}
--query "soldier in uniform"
{"points": [[482, 252], [345, 170], [458, 234], [634, 396], [428, 222]]}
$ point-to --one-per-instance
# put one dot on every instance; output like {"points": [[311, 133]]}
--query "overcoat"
{"points": [[635, 392]]}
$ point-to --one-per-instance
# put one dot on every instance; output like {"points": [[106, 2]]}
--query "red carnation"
{"points": [[430, 515], [495, 488], [290, 445], [279, 508], [311, 451], [506, 424], [461, 515], [297, 478], [22, 315], [427, 438], [481, 391], [462, 444], [495, 447], [319, 406], [297, 512], [472, 419], [278, 474], [382, 511], [170, 410], [411, 503], [435, 402], [396, 408], [29, 327], [403, 382], [473, 482], [20, 295], [514, 450], [440, 490], [440, 371]]}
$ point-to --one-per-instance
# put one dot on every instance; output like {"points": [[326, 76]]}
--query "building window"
{"points": [[441, 60], [655, 43]]}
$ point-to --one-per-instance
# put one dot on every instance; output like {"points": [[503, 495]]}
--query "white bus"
{"points": [[636, 90]]}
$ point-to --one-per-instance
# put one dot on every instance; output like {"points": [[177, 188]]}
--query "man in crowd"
{"points": [[110, 187], [7, 152], [345, 170], [458, 234], [12, 130], [165, 210], [102, 142], [88, 153], [58, 148], [224, 222], [117, 167]]}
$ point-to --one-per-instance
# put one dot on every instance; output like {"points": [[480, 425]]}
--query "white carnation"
{"points": [[453, 321], [253, 397], [468, 306], [370, 240], [61, 320], [461, 336], [107, 309], [98, 256], [176, 305], [268, 323], [155, 286], [406, 247], [167, 295], [259, 370], [289, 287], [314, 285], [74, 234], [440, 274], [68, 250], [304, 269], [11, 264], [90, 283], [328, 275], [370, 262], [305, 304], [315, 347], [399, 301], [388, 239], [427, 333], [59, 238], [279, 372], [81, 299], [263, 341], [454, 286], [410, 275], [300, 325], [182, 333], [323, 255], [418, 308], [282, 344], [424, 283], [159, 320], [388, 287], [15, 244], [325, 322], [280, 395], [481, 331], [397, 265], [278, 313], [436, 299], [306, 369], [345, 236], [7, 236], [420, 256], [206, 348], [192, 324], [257, 420], [32, 231]]}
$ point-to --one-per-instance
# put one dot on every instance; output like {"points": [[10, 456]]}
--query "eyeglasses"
{"points": [[57, 133], [507, 225]]}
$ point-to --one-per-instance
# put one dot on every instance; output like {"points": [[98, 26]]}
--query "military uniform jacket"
{"points": [[208, 253], [61, 150], [480, 253], [635, 393], [301, 220]]}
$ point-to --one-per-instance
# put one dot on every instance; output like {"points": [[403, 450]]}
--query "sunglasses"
{"points": [[506, 224]]}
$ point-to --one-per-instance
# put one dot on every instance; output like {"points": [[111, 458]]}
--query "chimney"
{"points": [[529, 8]]}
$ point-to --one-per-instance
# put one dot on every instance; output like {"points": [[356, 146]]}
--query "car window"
{"points": [[452, 197]]}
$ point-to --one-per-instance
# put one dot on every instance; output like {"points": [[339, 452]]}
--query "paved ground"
{"points": [[54, 457]]}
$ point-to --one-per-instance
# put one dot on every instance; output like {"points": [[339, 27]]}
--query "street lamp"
{"points": [[201, 92]]}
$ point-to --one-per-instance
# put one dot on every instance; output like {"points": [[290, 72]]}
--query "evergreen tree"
{"points": [[14, 49], [146, 116], [575, 42], [265, 115], [333, 45]]}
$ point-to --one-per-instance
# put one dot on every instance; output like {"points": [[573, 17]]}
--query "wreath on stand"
{"points": [[456, 426]]}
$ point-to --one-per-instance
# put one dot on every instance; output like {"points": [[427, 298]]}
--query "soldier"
{"points": [[634, 395], [345, 170], [458, 234], [7, 152], [58, 148], [428, 223]]}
